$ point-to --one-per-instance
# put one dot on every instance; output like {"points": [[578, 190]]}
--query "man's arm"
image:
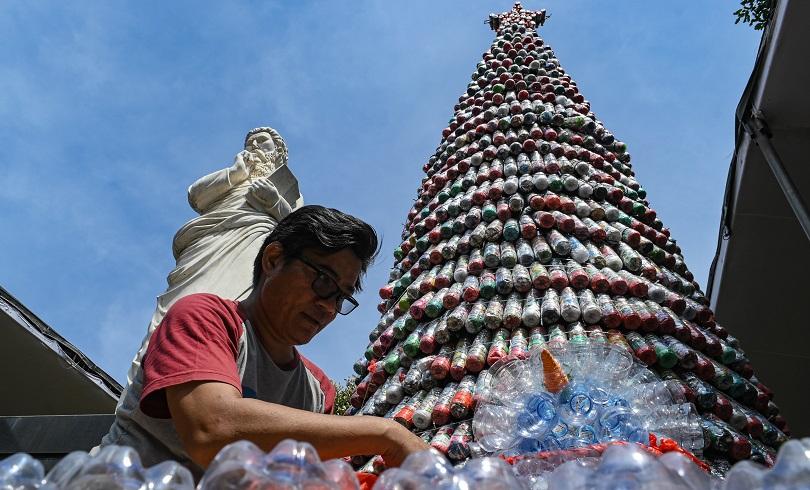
{"points": [[210, 415]]}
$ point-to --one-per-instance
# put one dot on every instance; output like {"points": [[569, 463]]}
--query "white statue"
{"points": [[238, 206]]}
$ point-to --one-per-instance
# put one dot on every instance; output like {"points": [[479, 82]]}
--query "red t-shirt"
{"points": [[203, 337], [207, 338]]}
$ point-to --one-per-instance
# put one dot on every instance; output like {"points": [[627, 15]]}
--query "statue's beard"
{"points": [[263, 162]]}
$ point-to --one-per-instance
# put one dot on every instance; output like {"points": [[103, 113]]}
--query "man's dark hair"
{"points": [[325, 229]]}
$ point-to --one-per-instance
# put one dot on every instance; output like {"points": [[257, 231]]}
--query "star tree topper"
{"points": [[528, 18]]}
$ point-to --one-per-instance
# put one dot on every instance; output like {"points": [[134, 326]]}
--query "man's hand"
{"points": [[401, 444]]}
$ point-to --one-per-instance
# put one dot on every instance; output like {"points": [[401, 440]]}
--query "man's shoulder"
{"points": [[205, 302], [206, 308]]}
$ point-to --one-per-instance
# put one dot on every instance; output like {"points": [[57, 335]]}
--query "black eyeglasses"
{"points": [[325, 287]]}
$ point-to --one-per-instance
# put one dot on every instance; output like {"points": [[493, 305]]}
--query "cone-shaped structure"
{"points": [[530, 229], [553, 375]]}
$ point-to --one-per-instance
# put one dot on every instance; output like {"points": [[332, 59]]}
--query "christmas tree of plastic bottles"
{"points": [[529, 228]]}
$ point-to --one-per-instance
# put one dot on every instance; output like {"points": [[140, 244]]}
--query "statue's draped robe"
{"points": [[215, 252]]}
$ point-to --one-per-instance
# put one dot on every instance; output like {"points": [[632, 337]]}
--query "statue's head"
{"points": [[269, 147]]}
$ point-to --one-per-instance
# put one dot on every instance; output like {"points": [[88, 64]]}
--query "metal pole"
{"points": [[757, 127]]}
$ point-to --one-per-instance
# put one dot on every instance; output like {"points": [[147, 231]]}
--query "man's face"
{"points": [[295, 313]]}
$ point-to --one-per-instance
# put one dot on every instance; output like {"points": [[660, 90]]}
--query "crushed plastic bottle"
{"points": [[20, 471], [430, 470], [290, 465]]}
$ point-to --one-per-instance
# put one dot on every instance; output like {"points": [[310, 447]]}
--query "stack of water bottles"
{"points": [[241, 465], [619, 466], [294, 465], [569, 397]]}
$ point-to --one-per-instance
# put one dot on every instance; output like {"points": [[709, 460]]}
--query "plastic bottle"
{"points": [[460, 272], [441, 410], [524, 251], [578, 251], [417, 309], [559, 244], [666, 325], [492, 255], [492, 427], [630, 318], [504, 283], [649, 323], [541, 279], [405, 414], [614, 337], [687, 358], [635, 285], [550, 307], [487, 285], [556, 336], [459, 447], [569, 306], [666, 358], [475, 317], [576, 334], [512, 314], [440, 367], [59, 475], [233, 466], [470, 289], [577, 277], [463, 402], [442, 333], [531, 315], [641, 348], [113, 466], [494, 231], [457, 318], [598, 283], [595, 256], [21, 471], [476, 354], [542, 250], [557, 274], [422, 416], [536, 339], [705, 395], [170, 475], [499, 346], [518, 344], [614, 262], [459, 360], [427, 342], [493, 316], [724, 439], [508, 254]]}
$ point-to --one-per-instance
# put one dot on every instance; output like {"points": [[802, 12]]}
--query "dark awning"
{"points": [[41, 373], [759, 283]]}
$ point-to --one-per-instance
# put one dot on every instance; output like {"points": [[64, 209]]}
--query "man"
{"points": [[217, 371]]}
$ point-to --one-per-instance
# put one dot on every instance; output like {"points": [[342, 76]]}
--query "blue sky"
{"points": [[109, 110]]}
